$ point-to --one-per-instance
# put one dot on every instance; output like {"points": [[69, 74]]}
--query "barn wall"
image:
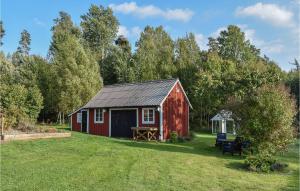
{"points": [[175, 113], [75, 126], [99, 128]]}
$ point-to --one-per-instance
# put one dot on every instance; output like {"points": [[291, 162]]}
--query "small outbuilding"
{"points": [[115, 109], [223, 122]]}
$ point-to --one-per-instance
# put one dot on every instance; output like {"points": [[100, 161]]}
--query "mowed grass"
{"points": [[87, 162]]}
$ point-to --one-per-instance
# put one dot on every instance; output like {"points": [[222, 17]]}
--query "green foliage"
{"points": [[174, 137], [99, 28], [154, 56], [187, 60], [24, 43], [231, 44], [20, 99], [260, 163], [20, 103], [292, 81], [266, 118], [76, 70]]}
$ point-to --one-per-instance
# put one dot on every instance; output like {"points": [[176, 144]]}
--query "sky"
{"points": [[272, 26]]}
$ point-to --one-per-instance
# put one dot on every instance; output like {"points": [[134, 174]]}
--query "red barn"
{"points": [[117, 108]]}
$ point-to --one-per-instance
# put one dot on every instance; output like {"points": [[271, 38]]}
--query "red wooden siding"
{"points": [[175, 113], [99, 128], [75, 126]]}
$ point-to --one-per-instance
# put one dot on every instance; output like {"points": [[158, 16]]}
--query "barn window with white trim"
{"points": [[78, 117], [148, 116], [98, 115]]}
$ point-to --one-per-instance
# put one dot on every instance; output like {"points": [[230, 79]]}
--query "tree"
{"points": [[154, 55], [292, 82], [99, 28], [187, 60], [118, 65], [231, 44], [24, 43], [21, 56], [266, 118], [20, 103], [2, 32], [77, 72]]}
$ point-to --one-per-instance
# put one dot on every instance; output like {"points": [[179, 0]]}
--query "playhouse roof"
{"points": [[150, 93], [223, 115]]}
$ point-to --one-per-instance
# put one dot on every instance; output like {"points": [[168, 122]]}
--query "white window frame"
{"points": [[95, 113], [148, 122], [79, 117]]}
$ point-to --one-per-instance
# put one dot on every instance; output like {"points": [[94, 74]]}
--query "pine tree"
{"points": [[24, 43]]}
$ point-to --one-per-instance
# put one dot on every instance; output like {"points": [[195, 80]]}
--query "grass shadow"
{"points": [[236, 166], [200, 146]]}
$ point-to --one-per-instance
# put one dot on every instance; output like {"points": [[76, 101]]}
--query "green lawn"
{"points": [[86, 162]]}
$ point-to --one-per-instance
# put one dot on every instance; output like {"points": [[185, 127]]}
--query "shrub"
{"points": [[174, 137], [259, 163], [266, 120]]}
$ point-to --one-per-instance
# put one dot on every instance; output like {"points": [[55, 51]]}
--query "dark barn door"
{"points": [[121, 122], [83, 121]]}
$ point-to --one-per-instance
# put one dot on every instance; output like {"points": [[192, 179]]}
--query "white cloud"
{"points": [[153, 11], [129, 32], [201, 41], [39, 22], [271, 13], [123, 31]]}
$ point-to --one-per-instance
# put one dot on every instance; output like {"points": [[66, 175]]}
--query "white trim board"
{"points": [[177, 81]]}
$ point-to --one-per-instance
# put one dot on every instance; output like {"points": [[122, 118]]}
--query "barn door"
{"points": [[84, 119], [122, 121]]}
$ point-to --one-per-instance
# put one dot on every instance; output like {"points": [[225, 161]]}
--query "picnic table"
{"points": [[144, 133]]}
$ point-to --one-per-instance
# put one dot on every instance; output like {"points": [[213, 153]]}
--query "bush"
{"points": [[260, 163], [174, 137], [266, 119]]}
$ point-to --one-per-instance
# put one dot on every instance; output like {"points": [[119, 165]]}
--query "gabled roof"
{"points": [[150, 93], [223, 115]]}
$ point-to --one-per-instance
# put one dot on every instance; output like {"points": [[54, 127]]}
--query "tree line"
{"points": [[81, 59]]}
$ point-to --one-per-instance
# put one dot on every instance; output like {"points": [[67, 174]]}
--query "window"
{"points": [[98, 116], [148, 116], [78, 117]]}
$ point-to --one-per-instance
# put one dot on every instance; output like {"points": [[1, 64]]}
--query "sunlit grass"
{"points": [[87, 162]]}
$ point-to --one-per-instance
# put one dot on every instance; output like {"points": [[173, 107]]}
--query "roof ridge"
{"points": [[136, 83]]}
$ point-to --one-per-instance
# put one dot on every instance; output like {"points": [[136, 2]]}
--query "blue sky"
{"points": [[273, 26]]}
